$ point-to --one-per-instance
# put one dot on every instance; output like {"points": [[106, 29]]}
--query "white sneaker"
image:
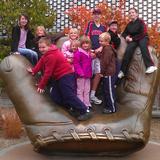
{"points": [[95, 100], [120, 74], [151, 69], [16, 53]]}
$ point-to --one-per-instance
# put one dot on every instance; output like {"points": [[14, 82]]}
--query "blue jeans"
{"points": [[31, 55]]}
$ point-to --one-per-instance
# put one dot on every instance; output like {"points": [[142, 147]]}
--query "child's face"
{"points": [[86, 46], [96, 17], [113, 27], [103, 42], [40, 32], [23, 21], [43, 47], [73, 35], [74, 47]]}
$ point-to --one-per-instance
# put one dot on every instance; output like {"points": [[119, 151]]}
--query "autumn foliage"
{"points": [[80, 16]]}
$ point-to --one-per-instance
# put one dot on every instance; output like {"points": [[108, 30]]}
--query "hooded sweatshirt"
{"points": [[82, 62], [53, 64]]}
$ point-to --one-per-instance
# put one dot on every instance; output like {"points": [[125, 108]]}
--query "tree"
{"points": [[80, 16], [39, 11]]}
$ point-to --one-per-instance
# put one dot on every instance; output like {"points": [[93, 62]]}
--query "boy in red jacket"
{"points": [[63, 88]]}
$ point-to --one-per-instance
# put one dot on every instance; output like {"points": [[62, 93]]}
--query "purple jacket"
{"points": [[82, 63]]}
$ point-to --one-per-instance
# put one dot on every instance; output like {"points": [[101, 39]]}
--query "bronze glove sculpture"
{"points": [[51, 129]]}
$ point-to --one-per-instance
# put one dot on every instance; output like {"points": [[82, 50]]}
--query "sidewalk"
{"points": [[155, 130]]}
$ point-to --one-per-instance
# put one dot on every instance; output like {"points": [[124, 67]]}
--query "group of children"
{"points": [[76, 70], [93, 58]]}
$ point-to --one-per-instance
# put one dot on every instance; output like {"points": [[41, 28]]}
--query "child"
{"points": [[73, 35], [93, 30], [115, 42], [22, 39], [83, 70], [135, 35], [63, 90], [108, 69], [73, 48], [39, 33], [115, 39]]}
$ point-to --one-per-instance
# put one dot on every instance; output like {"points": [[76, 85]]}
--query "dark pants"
{"points": [[109, 92], [63, 92], [143, 44], [118, 67]]}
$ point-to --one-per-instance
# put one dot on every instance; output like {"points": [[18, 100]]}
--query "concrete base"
{"points": [[25, 152]]}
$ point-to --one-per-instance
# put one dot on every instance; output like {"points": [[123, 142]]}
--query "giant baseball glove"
{"points": [[51, 129]]}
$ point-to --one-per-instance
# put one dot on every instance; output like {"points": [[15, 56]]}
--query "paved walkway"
{"points": [[25, 151]]}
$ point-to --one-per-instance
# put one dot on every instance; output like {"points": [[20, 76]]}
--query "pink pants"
{"points": [[83, 90]]}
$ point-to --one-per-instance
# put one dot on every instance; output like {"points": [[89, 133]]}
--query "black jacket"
{"points": [[16, 37], [115, 40], [136, 29]]}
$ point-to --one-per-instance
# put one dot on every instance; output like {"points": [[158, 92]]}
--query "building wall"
{"points": [[149, 10]]}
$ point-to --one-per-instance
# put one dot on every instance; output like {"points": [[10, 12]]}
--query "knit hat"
{"points": [[112, 22]]}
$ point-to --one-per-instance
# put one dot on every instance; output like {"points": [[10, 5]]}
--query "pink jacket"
{"points": [[66, 49], [82, 63]]}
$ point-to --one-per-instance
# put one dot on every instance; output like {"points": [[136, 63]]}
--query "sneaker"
{"points": [[16, 53], [120, 74], [107, 111], [90, 109], [151, 69], [73, 112], [84, 116], [95, 100]]}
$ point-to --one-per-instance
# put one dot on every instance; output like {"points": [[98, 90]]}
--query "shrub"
{"points": [[39, 11], [80, 16], [11, 124]]}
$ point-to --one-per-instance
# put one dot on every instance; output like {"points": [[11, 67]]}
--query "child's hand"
{"points": [[93, 55], [29, 70], [70, 60], [129, 39], [98, 50], [39, 90]]}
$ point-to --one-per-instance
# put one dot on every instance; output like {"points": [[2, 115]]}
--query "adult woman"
{"points": [[22, 39], [135, 35]]}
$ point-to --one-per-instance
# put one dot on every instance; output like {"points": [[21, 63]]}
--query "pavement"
{"points": [[25, 151]]}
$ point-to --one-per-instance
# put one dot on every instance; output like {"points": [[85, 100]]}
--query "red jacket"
{"points": [[53, 64]]}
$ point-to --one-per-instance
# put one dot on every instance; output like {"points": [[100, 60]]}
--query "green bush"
{"points": [[39, 11]]}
